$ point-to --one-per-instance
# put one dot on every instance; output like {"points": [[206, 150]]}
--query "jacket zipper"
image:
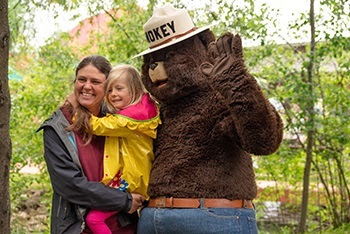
{"points": [[82, 227], [59, 207], [65, 212]]}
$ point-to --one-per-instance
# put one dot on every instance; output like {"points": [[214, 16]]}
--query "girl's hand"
{"points": [[72, 100]]}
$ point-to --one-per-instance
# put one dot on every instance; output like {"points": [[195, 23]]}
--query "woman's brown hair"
{"points": [[82, 115]]}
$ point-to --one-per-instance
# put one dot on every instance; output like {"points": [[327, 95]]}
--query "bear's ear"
{"points": [[146, 59], [206, 37]]}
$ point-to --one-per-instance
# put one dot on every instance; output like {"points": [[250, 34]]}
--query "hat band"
{"points": [[174, 37]]}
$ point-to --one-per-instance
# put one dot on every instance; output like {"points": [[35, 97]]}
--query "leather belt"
{"points": [[164, 202]]}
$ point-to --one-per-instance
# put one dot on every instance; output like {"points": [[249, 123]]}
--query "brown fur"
{"points": [[209, 125]]}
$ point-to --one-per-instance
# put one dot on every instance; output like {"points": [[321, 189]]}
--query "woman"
{"points": [[74, 159]]}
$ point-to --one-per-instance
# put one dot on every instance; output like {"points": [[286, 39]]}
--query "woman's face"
{"points": [[88, 88]]}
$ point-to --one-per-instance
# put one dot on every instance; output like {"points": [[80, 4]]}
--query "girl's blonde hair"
{"points": [[133, 81]]}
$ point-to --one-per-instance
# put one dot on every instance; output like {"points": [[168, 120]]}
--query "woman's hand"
{"points": [[137, 200]]}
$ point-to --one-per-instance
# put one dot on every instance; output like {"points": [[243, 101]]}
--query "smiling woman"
{"points": [[74, 158], [91, 73]]}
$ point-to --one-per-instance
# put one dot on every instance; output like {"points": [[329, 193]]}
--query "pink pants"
{"points": [[96, 221]]}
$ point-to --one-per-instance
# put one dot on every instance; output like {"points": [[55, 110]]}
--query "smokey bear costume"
{"points": [[214, 115]]}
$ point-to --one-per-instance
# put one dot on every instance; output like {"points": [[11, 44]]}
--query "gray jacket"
{"points": [[72, 192]]}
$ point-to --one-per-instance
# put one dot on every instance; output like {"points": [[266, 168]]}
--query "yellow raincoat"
{"points": [[128, 152]]}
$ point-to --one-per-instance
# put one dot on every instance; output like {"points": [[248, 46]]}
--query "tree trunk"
{"points": [[5, 141], [310, 125]]}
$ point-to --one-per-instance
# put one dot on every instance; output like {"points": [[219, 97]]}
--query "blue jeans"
{"points": [[200, 220]]}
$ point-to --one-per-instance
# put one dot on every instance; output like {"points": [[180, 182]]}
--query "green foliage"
{"points": [[126, 38], [285, 70], [31, 207], [47, 80], [345, 228]]}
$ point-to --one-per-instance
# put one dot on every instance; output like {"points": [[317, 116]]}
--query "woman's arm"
{"points": [[69, 182]]}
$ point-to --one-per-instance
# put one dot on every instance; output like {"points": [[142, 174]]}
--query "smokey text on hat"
{"points": [[160, 32]]}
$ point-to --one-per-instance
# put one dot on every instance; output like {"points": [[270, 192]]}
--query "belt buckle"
{"points": [[245, 203], [160, 201]]}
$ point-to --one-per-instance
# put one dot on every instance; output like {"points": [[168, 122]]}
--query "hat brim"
{"points": [[172, 42]]}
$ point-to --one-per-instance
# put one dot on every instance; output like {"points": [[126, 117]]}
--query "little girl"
{"points": [[129, 129]]}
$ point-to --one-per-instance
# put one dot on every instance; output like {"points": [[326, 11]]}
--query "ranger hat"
{"points": [[168, 26]]}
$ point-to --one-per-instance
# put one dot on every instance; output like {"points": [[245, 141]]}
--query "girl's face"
{"points": [[89, 89], [119, 93]]}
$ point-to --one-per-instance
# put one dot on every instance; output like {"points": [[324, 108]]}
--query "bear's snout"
{"points": [[157, 72]]}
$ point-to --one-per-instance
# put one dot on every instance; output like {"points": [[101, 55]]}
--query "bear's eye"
{"points": [[153, 66], [169, 55]]}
